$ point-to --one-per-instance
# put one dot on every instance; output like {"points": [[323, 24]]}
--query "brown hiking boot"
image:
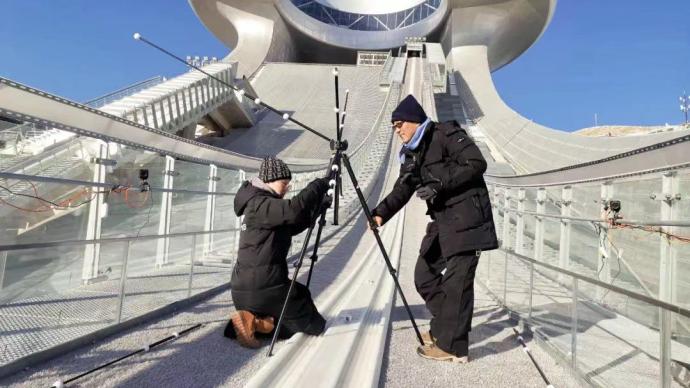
{"points": [[244, 324], [433, 352], [428, 338], [264, 325]]}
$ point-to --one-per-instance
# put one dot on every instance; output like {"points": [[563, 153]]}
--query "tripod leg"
{"points": [[314, 255], [391, 270], [303, 253]]}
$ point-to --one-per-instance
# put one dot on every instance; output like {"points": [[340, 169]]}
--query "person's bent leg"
{"points": [[302, 316], [452, 325]]}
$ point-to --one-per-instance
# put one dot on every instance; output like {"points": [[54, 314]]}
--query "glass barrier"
{"points": [[589, 280]]}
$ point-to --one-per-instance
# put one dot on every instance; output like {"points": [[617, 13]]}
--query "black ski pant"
{"points": [[448, 295]]}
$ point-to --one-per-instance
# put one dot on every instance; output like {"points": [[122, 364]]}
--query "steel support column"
{"points": [[520, 223], [667, 271], [97, 210], [209, 220], [163, 246], [564, 244]]}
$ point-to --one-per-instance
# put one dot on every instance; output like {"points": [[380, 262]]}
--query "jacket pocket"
{"points": [[466, 213]]}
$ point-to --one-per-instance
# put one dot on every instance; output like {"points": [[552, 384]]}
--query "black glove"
{"points": [[322, 183], [326, 202], [429, 191]]}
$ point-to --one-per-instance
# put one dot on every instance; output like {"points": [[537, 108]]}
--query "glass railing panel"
{"points": [[613, 350], [530, 221], [30, 220], [586, 200], [188, 212], [191, 176], [636, 196], [210, 274], [155, 279], [552, 305], [43, 302], [552, 241], [518, 287], [134, 212]]}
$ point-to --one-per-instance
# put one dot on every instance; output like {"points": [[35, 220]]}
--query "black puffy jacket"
{"points": [[260, 277], [447, 155]]}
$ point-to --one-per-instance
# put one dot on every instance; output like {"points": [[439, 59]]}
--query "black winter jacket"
{"points": [[462, 209], [260, 277]]}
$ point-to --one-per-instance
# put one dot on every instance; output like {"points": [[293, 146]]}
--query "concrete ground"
{"points": [[496, 357]]}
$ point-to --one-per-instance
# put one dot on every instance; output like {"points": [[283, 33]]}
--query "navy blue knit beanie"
{"points": [[409, 110]]}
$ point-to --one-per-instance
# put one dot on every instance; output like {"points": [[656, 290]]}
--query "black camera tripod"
{"points": [[340, 157]]}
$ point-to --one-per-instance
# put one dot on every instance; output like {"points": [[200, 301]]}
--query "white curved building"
{"points": [[331, 31]]}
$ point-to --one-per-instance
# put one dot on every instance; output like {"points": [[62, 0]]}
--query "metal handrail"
{"points": [[682, 161], [52, 244], [75, 182], [637, 296], [126, 91], [679, 224]]}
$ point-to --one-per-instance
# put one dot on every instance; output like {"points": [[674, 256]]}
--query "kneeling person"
{"points": [[260, 278]]}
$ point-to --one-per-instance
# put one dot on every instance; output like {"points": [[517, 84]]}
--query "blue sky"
{"points": [[626, 60]]}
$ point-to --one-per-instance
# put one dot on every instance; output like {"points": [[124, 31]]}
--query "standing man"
{"points": [[260, 279], [441, 163]]}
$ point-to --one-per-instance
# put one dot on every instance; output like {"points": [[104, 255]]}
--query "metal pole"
{"points": [[3, 267], [604, 262], [667, 272], [506, 219], [531, 292], [375, 231], [192, 257], [123, 280], [539, 225], [520, 223], [163, 245], [573, 325], [210, 211], [505, 279], [564, 244]]}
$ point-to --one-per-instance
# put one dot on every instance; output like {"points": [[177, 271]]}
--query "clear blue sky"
{"points": [[627, 60]]}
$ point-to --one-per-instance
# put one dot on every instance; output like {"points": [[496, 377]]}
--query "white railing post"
{"points": [[155, 116], [97, 210], [604, 257], [210, 211], [506, 218], [539, 225], [178, 118], [197, 102], [185, 110], [670, 194], [3, 267], [564, 244], [520, 223], [146, 115], [171, 120], [163, 246]]}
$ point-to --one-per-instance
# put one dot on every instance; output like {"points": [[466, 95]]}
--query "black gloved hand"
{"points": [[429, 192], [322, 183], [326, 202]]}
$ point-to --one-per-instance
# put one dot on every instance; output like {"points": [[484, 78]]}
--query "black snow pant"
{"points": [[301, 315], [449, 295]]}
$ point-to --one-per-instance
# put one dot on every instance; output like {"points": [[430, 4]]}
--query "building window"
{"points": [[365, 22]]}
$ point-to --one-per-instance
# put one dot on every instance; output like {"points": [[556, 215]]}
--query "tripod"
{"points": [[338, 146]]}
